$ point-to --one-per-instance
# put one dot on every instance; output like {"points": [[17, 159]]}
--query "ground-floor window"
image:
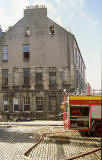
{"points": [[15, 105], [52, 103], [26, 104], [5, 104], [39, 103]]}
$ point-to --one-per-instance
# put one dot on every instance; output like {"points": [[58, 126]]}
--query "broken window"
{"points": [[26, 104], [26, 51], [5, 104], [52, 77], [38, 78], [5, 53], [5, 77], [39, 103], [15, 105], [27, 32], [51, 30], [26, 76]]}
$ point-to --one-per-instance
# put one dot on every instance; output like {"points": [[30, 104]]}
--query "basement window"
{"points": [[51, 30], [39, 103], [26, 104], [26, 51]]}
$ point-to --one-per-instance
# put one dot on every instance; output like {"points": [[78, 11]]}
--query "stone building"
{"points": [[38, 59]]}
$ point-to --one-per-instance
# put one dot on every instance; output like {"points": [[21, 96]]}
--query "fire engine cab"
{"points": [[83, 113]]}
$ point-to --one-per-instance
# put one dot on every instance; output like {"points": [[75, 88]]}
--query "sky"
{"points": [[83, 18]]}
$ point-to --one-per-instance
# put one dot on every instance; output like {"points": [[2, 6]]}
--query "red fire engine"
{"points": [[83, 113]]}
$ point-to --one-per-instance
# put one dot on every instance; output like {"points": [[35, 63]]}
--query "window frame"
{"points": [[4, 78], [24, 77], [40, 101], [26, 51], [27, 100], [4, 54]]}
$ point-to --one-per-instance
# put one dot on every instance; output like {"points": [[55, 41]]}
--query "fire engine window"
{"points": [[5, 77], [39, 103], [26, 51], [26, 104], [51, 30], [5, 104], [79, 116]]}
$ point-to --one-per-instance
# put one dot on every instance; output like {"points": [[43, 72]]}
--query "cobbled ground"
{"points": [[56, 145]]}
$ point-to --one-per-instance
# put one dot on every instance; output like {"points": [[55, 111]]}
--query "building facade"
{"points": [[38, 59]]}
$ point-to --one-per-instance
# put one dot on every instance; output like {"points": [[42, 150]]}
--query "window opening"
{"points": [[5, 104], [26, 103], [26, 76], [52, 77], [27, 32], [15, 105], [39, 103], [26, 51], [51, 30], [38, 78], [5, 53], [5, 77]]}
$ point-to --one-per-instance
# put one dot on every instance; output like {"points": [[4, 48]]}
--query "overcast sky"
{"points": [[82, 17]]}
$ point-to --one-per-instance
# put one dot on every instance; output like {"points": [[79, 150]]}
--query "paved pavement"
{"points": [[33, 123], [14, 141]]}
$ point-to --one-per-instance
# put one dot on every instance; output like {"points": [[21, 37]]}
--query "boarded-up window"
{"points": [[5, 77], [39, 103], [5, 53], [26, 51], [52, 77], [26, 103], [26, 76], [5, 104], [15, 105]]}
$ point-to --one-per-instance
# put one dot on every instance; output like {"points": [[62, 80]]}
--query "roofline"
{"points": [[79, 50]]}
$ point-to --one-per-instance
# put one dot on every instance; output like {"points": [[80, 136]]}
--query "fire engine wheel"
{"points": [[98, 129]]}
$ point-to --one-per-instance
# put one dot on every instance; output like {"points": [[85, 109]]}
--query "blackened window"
{"points": [[26, 51], [52, 77], [5, 77], [39, 103], [26, 103], [51, 30], [39, 78], [5, 53], [26, 76]]}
